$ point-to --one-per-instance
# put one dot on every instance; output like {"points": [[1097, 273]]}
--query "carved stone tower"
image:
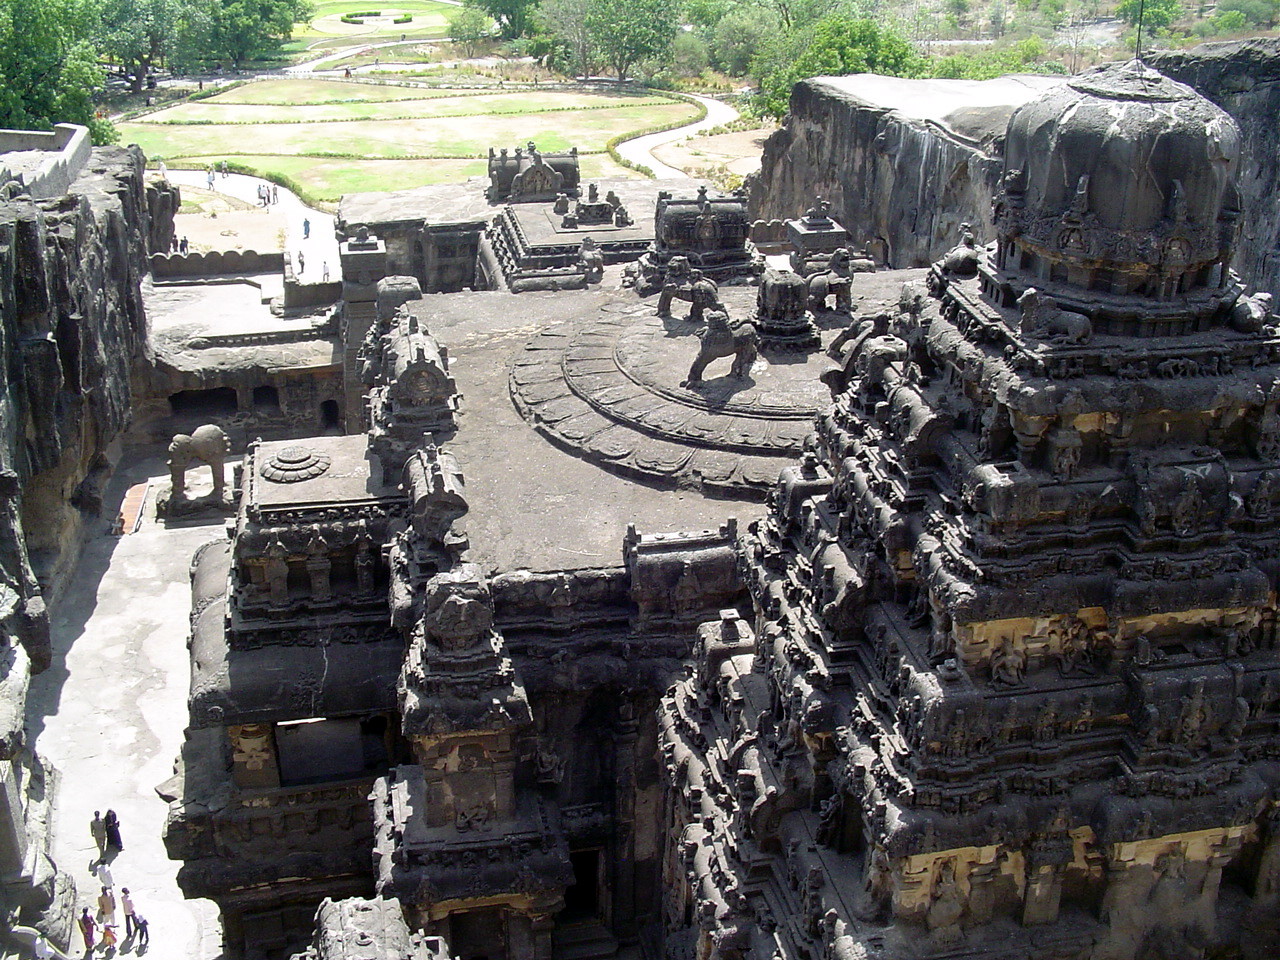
{"points": [[1013, 680]]}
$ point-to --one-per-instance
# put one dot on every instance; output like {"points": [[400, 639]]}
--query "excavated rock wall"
{"points": [[1243, 77], [71, 328], [903, 185]]}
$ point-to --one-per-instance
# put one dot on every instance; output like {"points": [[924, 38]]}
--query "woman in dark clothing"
{"points": [[112, 823]]}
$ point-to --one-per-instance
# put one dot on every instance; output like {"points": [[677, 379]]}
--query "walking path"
{"points": [[640, 150], [318, 248], [110, 711]]}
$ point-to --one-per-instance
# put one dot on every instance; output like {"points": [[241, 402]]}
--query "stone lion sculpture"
{"points": [[718, 339]]}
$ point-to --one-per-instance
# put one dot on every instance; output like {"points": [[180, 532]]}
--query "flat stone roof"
{"points": [[533, 506], [973, 109], [352, 475], [466, 203]]}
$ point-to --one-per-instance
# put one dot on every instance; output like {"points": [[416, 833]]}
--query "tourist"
{"points": [[113, 831], [182, 246], [306, 228], [164, 171], [98, 830], [324, 272], [302, 262], [140, 924], [108, 937], [106, 907], [126, 905], [103, 872], [88, 929], [209, 177], [224, 169], [275, 193], [201, 84]]}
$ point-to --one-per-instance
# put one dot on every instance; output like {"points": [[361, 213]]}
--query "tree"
{"points": [[738, 38], [468, 28], [241, 30], [835, 46], [1156, 14], [512, 16], [628, 31], [567, 21], [48, 67], [139, 34], [688, 54]]}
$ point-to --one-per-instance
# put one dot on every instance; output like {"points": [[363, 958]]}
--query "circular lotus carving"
{"points": [[295, 463]]}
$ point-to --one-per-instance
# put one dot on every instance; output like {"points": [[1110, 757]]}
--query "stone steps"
{"points": [[586, 940]]}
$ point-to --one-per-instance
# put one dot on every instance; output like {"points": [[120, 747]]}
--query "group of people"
{"points": [[177, 245], [100, 930], [268, 194]]}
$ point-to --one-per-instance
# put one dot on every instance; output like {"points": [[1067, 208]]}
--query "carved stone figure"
{"points": [[207, 444], [720, 338], [591, 258], [1041, 317]]}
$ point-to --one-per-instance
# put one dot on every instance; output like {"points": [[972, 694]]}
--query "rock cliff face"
{"points": [[1243, 77], [900, 183], [71, 326]]}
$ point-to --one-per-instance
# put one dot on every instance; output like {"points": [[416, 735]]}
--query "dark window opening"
{"points": [[582, 899], [330, 418], [218, 402], [314, 751], [266, 399]]}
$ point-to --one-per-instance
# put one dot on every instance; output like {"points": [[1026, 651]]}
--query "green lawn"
{"points": [[430, 19], [333, 137], [432, 104]]}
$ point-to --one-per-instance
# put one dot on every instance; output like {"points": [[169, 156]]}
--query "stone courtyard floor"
{"points": [[109, 713]]}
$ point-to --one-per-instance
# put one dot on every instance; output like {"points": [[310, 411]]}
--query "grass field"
{"points": [[336, 137], [430, 19]]}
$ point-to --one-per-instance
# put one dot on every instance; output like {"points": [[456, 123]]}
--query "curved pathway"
{"points": [[640, 149]]}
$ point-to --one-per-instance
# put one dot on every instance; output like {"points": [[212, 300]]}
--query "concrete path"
{"points": [[640, 149], [318, 246], [110, 712]]}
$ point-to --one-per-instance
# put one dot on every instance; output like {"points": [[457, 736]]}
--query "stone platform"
{"points": [[607, 387]]}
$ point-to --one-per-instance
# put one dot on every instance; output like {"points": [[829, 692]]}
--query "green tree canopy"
{"points": [[468, 28], [240, 30], [566, 20], [1156, 14], [834, 46], [48, 66], [514, 17], [628, 31], [140, 34]]}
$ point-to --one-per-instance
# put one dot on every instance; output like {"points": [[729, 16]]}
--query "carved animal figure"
{"points": [[1041, 317], [592, 260], [685, 283], [720, 339], [207, 444], [835, 281]]}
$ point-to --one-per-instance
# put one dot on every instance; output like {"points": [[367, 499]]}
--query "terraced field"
{"points": [[336, 136]]}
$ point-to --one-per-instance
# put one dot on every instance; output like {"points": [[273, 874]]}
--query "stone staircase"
{"points": [[583, 940]]}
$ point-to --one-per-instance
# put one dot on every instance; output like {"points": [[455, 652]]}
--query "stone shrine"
{"points": [[1006, 687]]}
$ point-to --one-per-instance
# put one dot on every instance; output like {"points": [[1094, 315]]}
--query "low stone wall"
{"points": [[215, 263], [68, 147]]}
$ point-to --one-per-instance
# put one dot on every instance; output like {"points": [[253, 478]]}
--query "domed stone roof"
{"points": [[1122, 167]]}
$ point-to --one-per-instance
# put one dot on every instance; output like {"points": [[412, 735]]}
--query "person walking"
{"points": [[88, 929], [113, 831], [208, 177], [324, 270], [275, 193], [107, 907], [126, 904], [98, 830], [140, 924], [108, 937], [224, 169], [103, 872], [306, 228], [302, 262], [183, 246]]}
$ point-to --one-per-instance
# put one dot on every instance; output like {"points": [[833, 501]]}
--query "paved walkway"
{"points": [[318, 248], [110, 712], [640, 150]]}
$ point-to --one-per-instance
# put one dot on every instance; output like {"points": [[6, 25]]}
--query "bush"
{"points": [[407, 18], [358, 18]]}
